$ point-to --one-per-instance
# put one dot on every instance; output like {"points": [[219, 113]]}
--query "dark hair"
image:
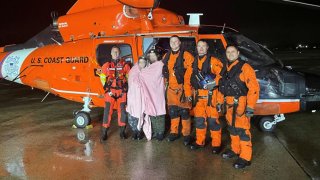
{"points": [[113, 47], [175, 36], [156, 52], [142, 57], [203, 40], [233, 45]]}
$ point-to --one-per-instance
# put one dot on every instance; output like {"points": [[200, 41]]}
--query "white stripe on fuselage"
{"points": [[11, 65], [278, 100], [74, 92]]}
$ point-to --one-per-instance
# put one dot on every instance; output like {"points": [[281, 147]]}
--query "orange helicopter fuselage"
{"points": [[68, 69]]}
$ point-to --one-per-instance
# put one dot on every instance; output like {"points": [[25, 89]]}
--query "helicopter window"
{"points": [[148, 44], [162, 44], [103, 53], [216, 48], [249, 50]]}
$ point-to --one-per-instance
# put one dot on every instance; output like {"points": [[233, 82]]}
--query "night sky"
{"points": [[264, 21]]}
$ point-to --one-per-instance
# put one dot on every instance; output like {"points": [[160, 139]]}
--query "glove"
{"points": [[249, 112]]}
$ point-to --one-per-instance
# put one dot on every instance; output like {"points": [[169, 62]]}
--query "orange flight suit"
{"points": [[205, 113], [114, 78], [177, 105], [239, 128]]}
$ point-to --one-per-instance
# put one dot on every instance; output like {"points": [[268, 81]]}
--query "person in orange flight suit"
{"points": [[114, 78], [239, 93], [179, 93], [205, 99]]}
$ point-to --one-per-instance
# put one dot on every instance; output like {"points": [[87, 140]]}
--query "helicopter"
{"points": [[65, 58]]}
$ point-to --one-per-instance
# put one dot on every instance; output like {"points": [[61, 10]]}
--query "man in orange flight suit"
{"points": [[205, 73], [240, 92], [176, 62], [114, 80]]}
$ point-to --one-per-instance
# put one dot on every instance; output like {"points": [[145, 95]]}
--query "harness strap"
{"points": [[234, 111]]}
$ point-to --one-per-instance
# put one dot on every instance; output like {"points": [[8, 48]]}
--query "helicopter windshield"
{"points": [[250, 51], [46, 37]]}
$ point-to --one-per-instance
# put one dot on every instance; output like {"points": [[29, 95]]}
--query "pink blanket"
{"points": [[146, 95]]}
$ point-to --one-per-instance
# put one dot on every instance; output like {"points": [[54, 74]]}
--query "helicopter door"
{"points": [[128, 52]]}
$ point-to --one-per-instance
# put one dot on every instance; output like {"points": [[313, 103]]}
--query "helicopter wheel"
{"points": [[82, 119], [267, 124]]}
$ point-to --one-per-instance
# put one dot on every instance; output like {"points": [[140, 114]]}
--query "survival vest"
{"points": [[230, 83], [178, 68], [116, 76], [205, 70]]}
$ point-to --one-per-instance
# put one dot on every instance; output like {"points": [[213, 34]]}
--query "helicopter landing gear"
{"points": [[268, 123], [82, 118]]}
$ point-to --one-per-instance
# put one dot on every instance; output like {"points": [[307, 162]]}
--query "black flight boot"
{"points": [[216, 150], [139, 135], [160, 136], [195, 146], [104, 134], [228, 154], [135, 135], [123, 132], [241, 163], [173, 137], [187, 140]]}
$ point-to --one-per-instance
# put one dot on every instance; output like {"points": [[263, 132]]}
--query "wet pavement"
{"points": [[37, 142]]}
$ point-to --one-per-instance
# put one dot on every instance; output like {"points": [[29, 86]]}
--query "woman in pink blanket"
{"points": [[146, 99], [135, 101]]}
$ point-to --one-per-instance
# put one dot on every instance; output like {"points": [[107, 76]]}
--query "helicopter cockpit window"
{"points": [[104, 53], [46, 37], [249, 50], [162, 44]]}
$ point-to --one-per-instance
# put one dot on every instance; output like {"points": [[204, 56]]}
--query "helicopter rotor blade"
{"points": [[296, 2]]}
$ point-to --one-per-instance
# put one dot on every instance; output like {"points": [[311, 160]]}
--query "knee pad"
{"points": [[107, 106], [199, 122], [106, 112], [213, 125], [123, 113], [243, 136], [123, 105], [185, 114], [173, 112], [232, 130]]}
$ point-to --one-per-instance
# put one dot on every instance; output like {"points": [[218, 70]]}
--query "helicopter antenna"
{"points": [[45, 97], [56, 41], [54, 16], [224, 26]]}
